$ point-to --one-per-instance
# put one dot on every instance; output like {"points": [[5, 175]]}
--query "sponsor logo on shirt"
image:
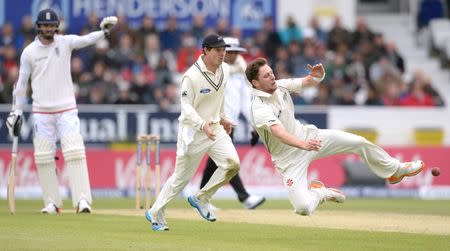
{"points": [[272, 120], [279, 114], [205, 90]]}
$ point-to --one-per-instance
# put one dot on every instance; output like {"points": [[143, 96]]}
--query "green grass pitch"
{"points": [[30, 230]]}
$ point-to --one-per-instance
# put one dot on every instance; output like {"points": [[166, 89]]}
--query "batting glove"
{"points": [[14, 123], [107, 24]]}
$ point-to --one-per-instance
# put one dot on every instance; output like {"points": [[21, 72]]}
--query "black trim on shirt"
{"points": [[210, 81]]}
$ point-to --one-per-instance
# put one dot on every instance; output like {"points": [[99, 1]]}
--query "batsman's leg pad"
{"points": [[44, 156], [74, 154]]}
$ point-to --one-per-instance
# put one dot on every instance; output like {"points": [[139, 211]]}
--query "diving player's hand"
{"points": [[227, 125], [312, 145], [317, 72], [208, 131]]}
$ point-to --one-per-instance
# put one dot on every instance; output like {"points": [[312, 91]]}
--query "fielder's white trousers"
{"points": [[333, 142], [189, 155]]}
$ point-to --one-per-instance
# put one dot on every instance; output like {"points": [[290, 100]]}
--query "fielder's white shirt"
{"points": [[48, 66], [278, 108], [203, 94]]}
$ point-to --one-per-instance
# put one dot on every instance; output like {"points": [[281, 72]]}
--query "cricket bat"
{"points": [[12, 177]]}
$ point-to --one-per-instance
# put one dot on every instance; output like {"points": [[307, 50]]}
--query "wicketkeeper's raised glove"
{"points": [[14, 123], [107, 24]]}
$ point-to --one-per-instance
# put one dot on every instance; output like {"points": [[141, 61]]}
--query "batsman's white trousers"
{"points": [[48, 128], [189, 155], [52, 126], [333, 142]]}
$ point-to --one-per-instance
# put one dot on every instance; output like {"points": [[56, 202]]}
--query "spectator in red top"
{"points": [[417, 96]]}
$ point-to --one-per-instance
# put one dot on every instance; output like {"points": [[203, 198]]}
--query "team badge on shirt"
{"points": [[205, 90], [289, 182], [184, 94], [57, 51]]}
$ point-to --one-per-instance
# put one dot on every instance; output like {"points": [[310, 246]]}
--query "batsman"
{"points": [[46, 62]]}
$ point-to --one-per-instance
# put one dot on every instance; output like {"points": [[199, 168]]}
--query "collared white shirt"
{"points": [[203, 94], [277, 108]]}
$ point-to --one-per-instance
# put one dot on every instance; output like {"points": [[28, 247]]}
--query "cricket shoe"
{"points": [[254, 201], [156, 226], [406, 169], [50, 209], [203, 208], [325, 193], [83, 207]]}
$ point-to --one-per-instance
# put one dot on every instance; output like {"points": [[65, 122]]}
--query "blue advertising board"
{"points": [[246, 14], [108, 123]]}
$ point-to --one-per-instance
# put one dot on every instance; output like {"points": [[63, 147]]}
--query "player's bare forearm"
{"points": [[280, 132]]}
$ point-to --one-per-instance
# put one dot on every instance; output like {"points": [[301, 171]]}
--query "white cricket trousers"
{"points": [[48, 128], [334, 142], [221, 150]]}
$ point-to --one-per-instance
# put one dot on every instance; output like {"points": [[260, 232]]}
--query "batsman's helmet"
{"points": [[47, 16]]}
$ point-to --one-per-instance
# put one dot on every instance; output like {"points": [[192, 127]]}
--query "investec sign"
{"points": [[107, 124], [103, 124]]}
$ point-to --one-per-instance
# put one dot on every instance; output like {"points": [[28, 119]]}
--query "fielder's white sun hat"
{"points": [[234, 44]]}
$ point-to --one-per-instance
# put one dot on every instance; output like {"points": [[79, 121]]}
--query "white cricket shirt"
{"points": [[277, 108], [203, 94], [48, 66]]}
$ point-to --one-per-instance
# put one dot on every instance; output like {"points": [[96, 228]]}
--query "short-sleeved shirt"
{"points": [[278, 108]]}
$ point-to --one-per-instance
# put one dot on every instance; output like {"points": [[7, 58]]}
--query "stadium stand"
{"points": [[143, 65]]}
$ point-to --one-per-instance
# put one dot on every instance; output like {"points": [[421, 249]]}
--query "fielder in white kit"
{"points": [[203, 128], [55, 116], [237, 101], [293, 145]]}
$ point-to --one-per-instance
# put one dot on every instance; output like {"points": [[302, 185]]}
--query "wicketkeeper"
{"points": [[55, 116]]}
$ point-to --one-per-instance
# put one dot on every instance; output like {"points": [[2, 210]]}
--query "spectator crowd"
{"points": [[143, 65]]}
